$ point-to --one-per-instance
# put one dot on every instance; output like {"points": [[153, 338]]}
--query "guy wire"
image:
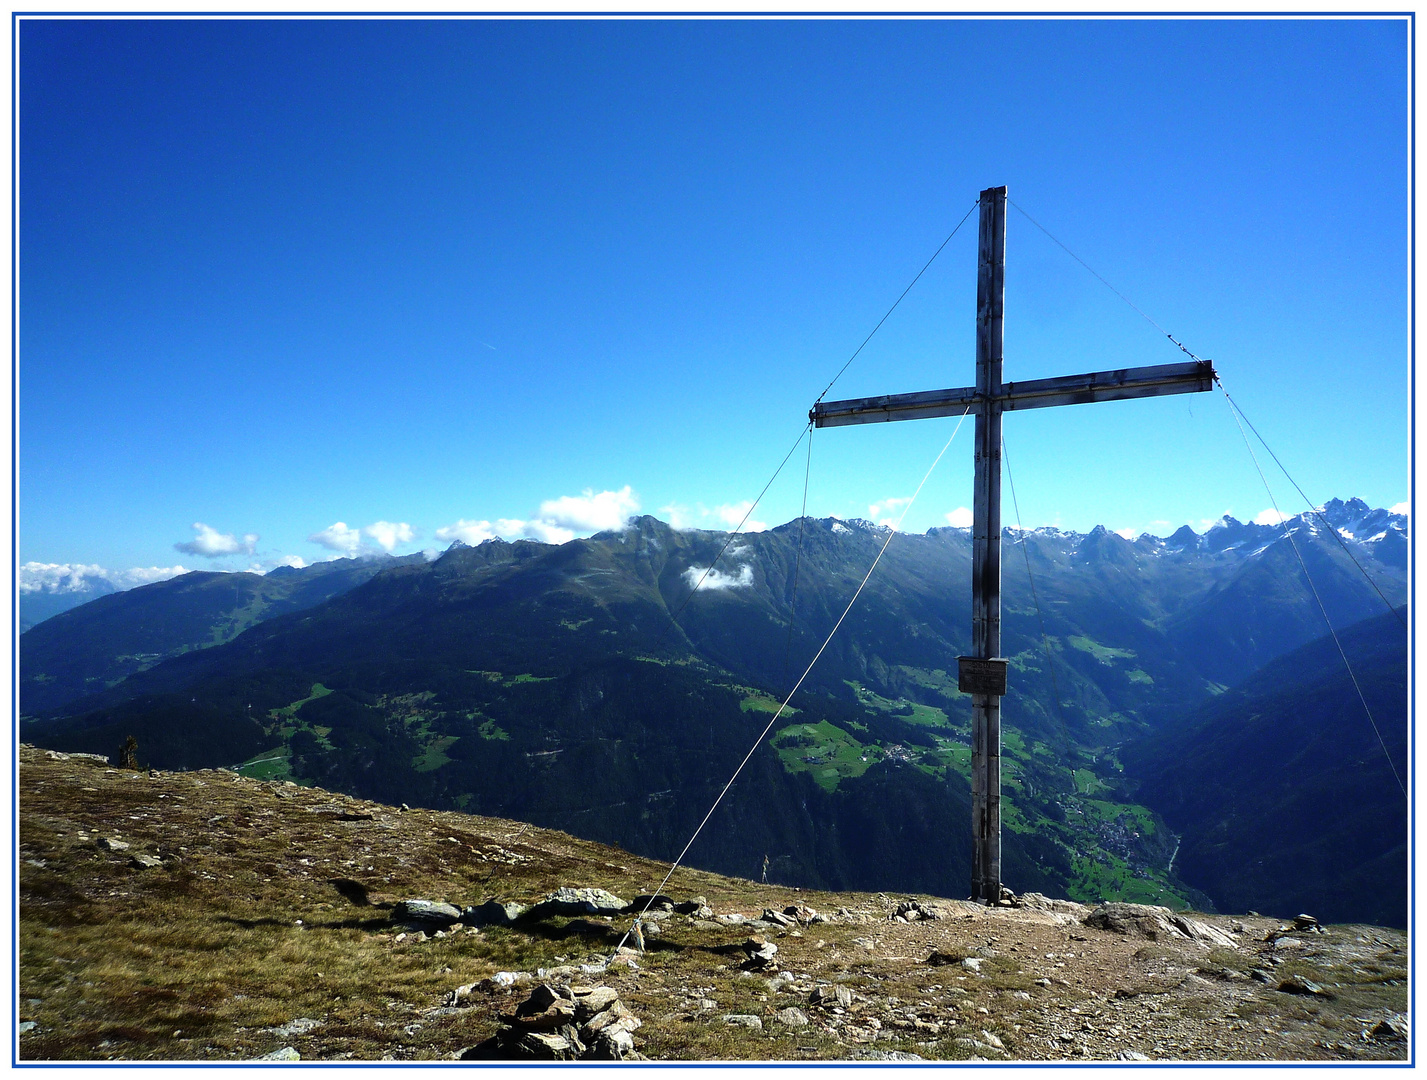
{"points": [[807, 671], [1314, 590]]}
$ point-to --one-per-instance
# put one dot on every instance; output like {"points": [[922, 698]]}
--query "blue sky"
{"points": [[430, 279]]}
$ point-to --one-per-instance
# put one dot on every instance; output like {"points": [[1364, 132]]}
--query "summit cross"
{"points": [[983, 673]]}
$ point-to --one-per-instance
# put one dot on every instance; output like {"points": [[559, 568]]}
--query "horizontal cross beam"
{"points": [[1186, 378]]}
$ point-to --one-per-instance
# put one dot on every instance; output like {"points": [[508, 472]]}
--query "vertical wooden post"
{"points": [[986, 549]]}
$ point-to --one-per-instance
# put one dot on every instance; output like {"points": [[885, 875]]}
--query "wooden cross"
{"points": [[983, 674]]}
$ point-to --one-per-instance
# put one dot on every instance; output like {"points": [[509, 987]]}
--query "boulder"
{"points": [[568, 901], [1041, 902], [747, 1020], [112, 843], [492, 913], [145, 862], [791, 1017], [1156, 923], [425, 913]]}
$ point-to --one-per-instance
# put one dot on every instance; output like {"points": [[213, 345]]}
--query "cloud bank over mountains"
{"points": [[347, 541], [557, 521], [37, 577], [726, 516]]}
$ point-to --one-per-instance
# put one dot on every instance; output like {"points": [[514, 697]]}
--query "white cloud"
{"points": [[57, 577], [389, 534], [344, 538], [212, 544], [338, 537], [297, 562], [36, 577], [889, 511], [546, 532], [732, 513], [1400, 508], [607, 511], [468, 532], [144, 575], [1270, 517], [960, 518], [717, 579], [558, 521], [1128, 534], [680, 517]]}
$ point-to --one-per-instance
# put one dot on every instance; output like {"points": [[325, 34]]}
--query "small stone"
{"points": [[110, 843], [145, 862], [791, 1017], [972, 964], [1393, 1027], [27, 1026], [543, 1046], [742, 1020], [287, 1053], [301, 1026], [1295, 985], [596, 1000], [828, 996]]}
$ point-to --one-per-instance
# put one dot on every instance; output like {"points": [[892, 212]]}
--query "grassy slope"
{"points": [[270, 907]]}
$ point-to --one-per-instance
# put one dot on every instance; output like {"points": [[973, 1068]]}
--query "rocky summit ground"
{"points": [[201, 915]]}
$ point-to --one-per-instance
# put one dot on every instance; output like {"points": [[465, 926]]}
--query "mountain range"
{"points": [[587, 686]]}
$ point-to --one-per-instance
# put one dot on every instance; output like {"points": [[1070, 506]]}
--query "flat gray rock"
{"points": [[426, 912], [742, 1020], [569, 901]]}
